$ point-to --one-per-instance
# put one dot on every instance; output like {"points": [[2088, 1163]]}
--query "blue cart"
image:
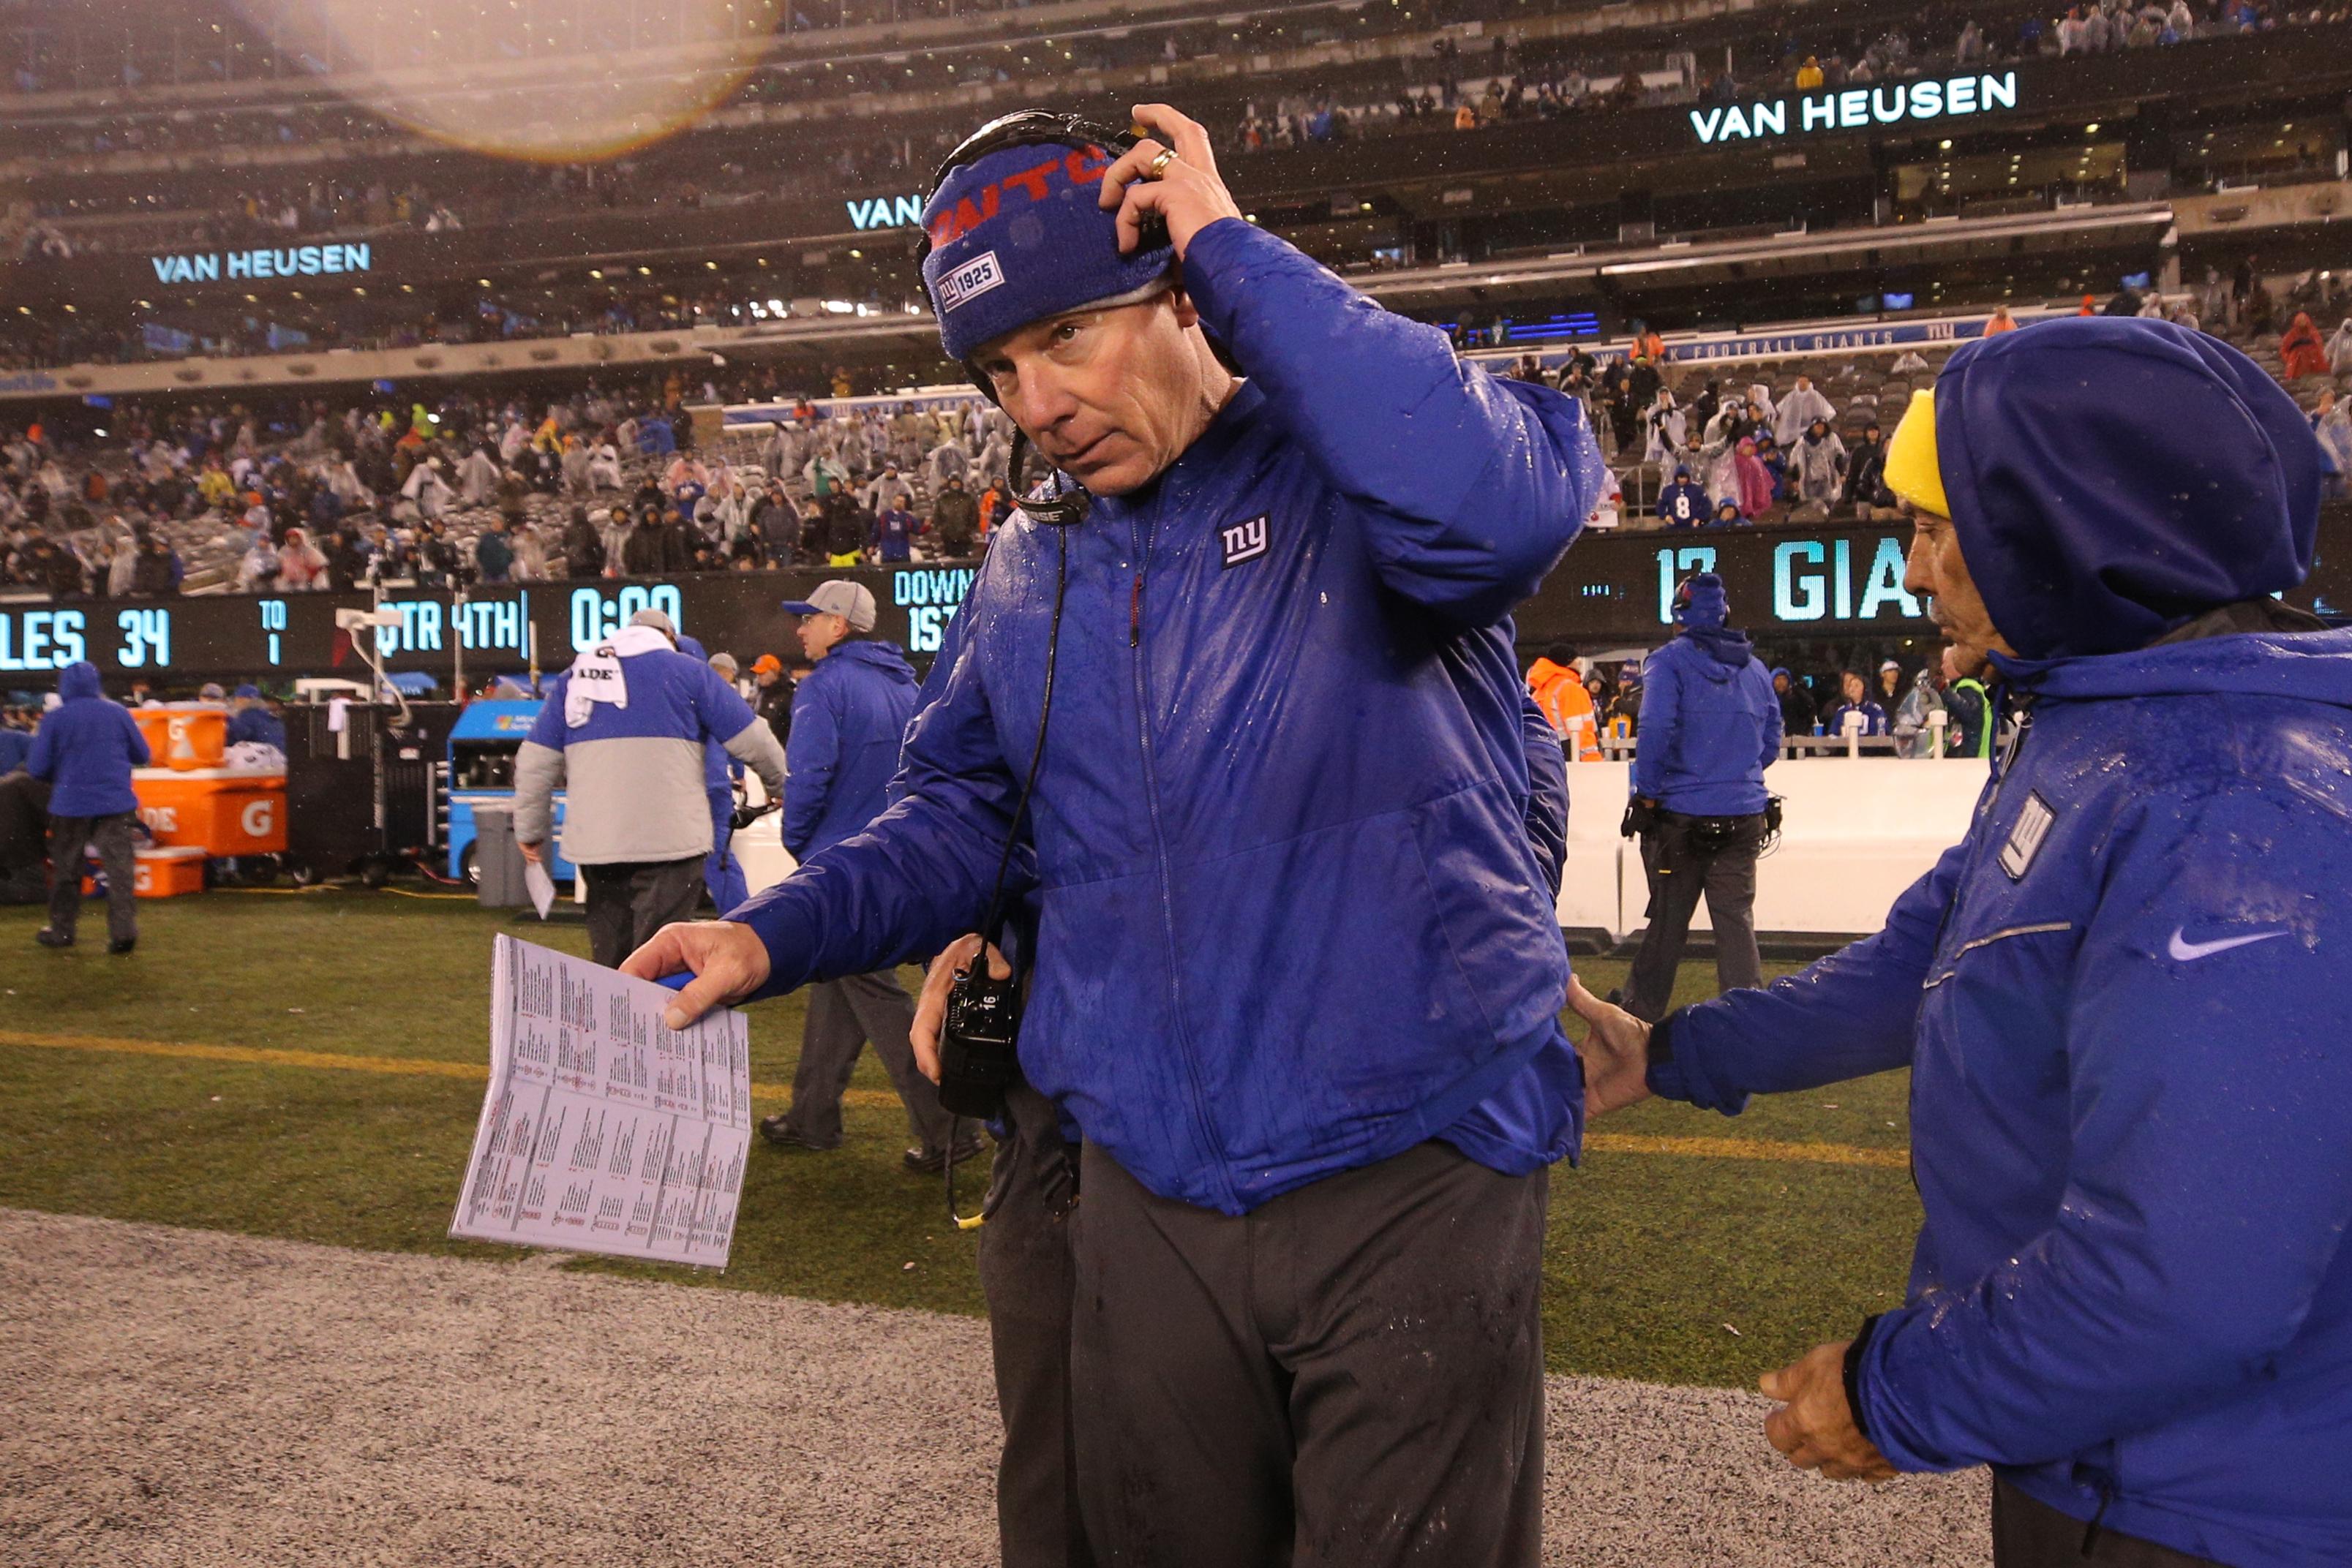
{"points": [[481, 772]]}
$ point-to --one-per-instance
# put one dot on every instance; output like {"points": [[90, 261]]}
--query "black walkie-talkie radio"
{"points": [[977, 1039]]}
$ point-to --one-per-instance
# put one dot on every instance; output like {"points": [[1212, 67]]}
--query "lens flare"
{"points": [[543, 80]]}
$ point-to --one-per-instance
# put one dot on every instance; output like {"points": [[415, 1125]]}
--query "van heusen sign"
{"points": [[294, 261], [1856, 107]]}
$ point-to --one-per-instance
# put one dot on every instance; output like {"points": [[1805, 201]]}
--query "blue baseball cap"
{"points": [[1018, 235]]}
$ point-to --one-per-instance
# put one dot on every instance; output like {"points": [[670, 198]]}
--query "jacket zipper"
{"points": [[1141, 545]]}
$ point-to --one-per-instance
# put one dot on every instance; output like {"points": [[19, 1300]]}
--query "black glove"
{"points": [[746, 815], [1641, 817]]}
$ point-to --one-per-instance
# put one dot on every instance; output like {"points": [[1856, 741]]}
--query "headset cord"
{"points": [[990, 922]]}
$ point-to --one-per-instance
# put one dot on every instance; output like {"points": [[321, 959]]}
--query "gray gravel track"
{"points": [[176, 1397]]}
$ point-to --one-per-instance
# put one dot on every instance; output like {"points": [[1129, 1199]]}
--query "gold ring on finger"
{"points": [[1158, 167]]}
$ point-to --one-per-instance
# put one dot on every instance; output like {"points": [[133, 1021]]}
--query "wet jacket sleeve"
{"points": [[811, 759], [919, 875], [1547, 816], [1846, 1015], [2209, 1183], [1662, 706], [1470, 487]]}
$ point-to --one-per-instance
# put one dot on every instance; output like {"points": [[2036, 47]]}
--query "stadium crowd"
{"points": [[474, 491]]}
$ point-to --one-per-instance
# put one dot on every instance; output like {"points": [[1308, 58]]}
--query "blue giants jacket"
{"points": [[2122, 998], [86, 748], [1290, 919], [1710, 726], [849, 718]]}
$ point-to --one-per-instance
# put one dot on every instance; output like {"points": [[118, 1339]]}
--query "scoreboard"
{"points": [[1840, 581]]}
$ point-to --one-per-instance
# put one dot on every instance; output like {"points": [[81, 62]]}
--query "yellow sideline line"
{"points": [[269, 1056], [1748, 1149], [433, 1067]]}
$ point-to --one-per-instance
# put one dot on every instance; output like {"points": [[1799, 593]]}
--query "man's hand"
{"points": [[1188, 193], [1815, 1426], [728, 962], [1616, 1052], [932, 1008], [535, 853]]}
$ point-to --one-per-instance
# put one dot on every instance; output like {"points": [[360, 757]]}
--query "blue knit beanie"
{"points": [[1701, 602], [1019, 235]]}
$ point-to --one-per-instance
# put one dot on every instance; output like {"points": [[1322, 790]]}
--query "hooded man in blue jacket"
{"points": [[848, 718], [1710, 726], [85, 750], [1296, 970], [2122, 997]]}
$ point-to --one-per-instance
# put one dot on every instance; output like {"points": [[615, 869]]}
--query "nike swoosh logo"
{"points": [[2184, 951]]}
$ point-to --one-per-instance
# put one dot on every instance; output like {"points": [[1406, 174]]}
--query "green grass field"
{"points": [[1663, 1266]]}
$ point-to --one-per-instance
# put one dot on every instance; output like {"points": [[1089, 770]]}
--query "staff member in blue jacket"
{"points": [[1297, 973], [2122, 997], [85, 750], [625, 729], [848, 718], [252, 723], [1710, 726]]}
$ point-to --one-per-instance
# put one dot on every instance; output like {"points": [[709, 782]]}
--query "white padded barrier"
{"points": [[1854, 834]]}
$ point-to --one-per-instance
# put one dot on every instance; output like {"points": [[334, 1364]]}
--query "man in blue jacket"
{"points": [[85, 750], [251, 722], [1710, 726], [2122, 997], [1296, 974], [848, 718], [626, 731]]}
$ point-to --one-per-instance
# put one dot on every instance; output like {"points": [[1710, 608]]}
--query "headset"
{"points": [[1067, 505]]}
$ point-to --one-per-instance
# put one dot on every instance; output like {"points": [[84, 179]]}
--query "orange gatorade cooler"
{"points": [[219, 811], [170, 872], [185, 735]]}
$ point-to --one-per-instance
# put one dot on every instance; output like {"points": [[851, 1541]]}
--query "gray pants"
{"points": [[2028, 1534], [1352, 1374], [112, 836], [1024, 1272], [843, 1016], [1680, 868], [628, 901]]}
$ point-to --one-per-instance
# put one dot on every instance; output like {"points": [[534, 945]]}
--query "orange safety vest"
{"points": [[1564, 701]]}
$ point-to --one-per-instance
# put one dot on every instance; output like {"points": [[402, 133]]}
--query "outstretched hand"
{"points": [[1189, 193], [728, 962], [1616, 1052]]}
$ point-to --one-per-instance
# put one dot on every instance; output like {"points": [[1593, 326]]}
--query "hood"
{"points": [[1728, 649], [77, 680], [2315, 666], [1543, 672], [887, 657], [2088, 526]]}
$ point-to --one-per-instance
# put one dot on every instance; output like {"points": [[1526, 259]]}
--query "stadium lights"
{"points": [[597, 273], [710, 266], [2092, 129], [777, 306], [645, 272]]}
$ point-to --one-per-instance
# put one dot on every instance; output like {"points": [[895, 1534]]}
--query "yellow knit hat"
{"points": [[1913, 472]]}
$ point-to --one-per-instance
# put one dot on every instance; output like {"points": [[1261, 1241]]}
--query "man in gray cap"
{"points": [[625, 728], [848, 718]]}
